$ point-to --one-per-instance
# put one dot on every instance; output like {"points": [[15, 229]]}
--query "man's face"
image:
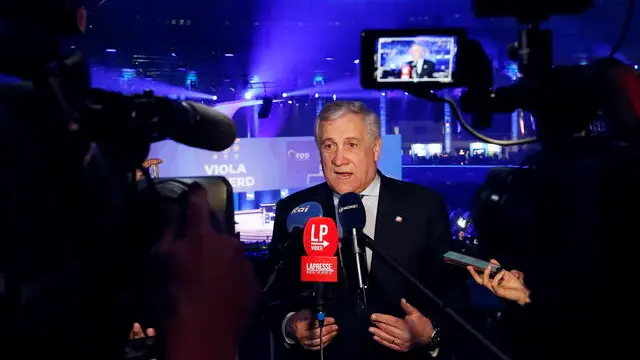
{"points": [[417, 52], [348, 155]]}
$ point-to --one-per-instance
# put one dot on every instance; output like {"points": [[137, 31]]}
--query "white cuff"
{"points": [[284, 330], [435, 352]]}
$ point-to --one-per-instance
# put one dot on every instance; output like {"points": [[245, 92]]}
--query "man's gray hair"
{"points": [[338, 109]]}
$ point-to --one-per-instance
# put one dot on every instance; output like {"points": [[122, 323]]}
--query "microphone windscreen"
{"points": [[301, 214], [351, 213]]}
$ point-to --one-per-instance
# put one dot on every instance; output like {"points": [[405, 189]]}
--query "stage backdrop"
{"points": [[258, 164]]}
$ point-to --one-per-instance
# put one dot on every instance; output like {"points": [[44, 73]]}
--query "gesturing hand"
{"points": [[402, 334], [506, 284], [307, 332]]}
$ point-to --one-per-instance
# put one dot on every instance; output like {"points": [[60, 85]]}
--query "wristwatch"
{"points": [[436, 340]]}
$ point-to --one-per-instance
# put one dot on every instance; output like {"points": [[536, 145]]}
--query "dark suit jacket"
{"points": [[428, 68], [417, 242]]}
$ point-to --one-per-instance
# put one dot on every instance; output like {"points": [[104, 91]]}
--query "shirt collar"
{"points": [[372, 190]]}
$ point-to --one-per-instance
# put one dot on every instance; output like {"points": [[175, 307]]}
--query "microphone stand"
{"points": [[295, 233], [320, 315], [368, 242], [356, 252], [270, 280], [273, 276]]}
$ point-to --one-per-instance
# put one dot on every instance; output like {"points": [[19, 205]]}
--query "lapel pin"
{"points": [[398, 219]]}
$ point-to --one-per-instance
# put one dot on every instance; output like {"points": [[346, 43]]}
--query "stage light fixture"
{"points": [[265, 108]]}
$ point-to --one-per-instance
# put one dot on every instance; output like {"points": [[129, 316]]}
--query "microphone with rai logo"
{"points": [[296, 222], [301, 214]]}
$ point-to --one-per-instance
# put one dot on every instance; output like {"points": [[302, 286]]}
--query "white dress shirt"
{"points": [[419, 64]]}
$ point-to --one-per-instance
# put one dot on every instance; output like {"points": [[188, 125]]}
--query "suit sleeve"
{"points": [[431, 69], [281, 297]]}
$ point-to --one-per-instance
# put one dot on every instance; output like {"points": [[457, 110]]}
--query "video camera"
{"points": [[96, 140], [564, 100]]}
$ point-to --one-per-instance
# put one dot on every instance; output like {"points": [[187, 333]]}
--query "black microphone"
{"points": [[352, 217], [115, 118]]}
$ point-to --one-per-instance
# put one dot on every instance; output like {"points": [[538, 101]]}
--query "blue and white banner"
{"points": [[257, 164]]}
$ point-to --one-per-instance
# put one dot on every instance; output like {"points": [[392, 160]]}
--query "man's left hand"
{"points": [[402, 334]]}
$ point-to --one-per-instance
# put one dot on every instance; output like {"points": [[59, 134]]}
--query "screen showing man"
{"points": [[416, 59]]}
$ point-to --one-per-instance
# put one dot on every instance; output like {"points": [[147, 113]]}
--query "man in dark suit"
{"points": [[421, 68], [407, 221]]}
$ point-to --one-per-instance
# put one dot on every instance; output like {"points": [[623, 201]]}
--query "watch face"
{"points": [[435, 337]]}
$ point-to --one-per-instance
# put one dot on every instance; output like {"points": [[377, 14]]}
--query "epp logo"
{"points": [[298, 156], [232, 152]]}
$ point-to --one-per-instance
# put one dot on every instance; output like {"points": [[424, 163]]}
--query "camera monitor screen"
{"points": [[429, 58]]}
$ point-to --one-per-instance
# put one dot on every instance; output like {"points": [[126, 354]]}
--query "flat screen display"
{"points": [[416, 59]]}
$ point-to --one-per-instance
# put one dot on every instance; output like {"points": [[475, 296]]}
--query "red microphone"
{"points": [[405, 72], [320, 241]]}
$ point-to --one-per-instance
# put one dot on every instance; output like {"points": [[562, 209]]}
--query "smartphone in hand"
{"points": [[455, 258]]}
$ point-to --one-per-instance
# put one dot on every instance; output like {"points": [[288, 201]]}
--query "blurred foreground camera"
{"points": [[219, 196], [526, 10]]}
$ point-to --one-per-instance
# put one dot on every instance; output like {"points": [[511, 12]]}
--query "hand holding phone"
{"points": [[458, 259], [505, 284]]}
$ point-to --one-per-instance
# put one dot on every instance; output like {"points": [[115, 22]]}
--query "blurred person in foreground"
{"points": [[68, 265], [408, 222], [211, 283]]}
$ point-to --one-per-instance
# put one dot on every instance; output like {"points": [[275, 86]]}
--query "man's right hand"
{"points": [[306, 331]]}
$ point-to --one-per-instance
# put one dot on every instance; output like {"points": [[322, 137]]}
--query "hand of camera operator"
{"points": [[213, 286], [138, 333], [506, 284], [139, 343]]}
